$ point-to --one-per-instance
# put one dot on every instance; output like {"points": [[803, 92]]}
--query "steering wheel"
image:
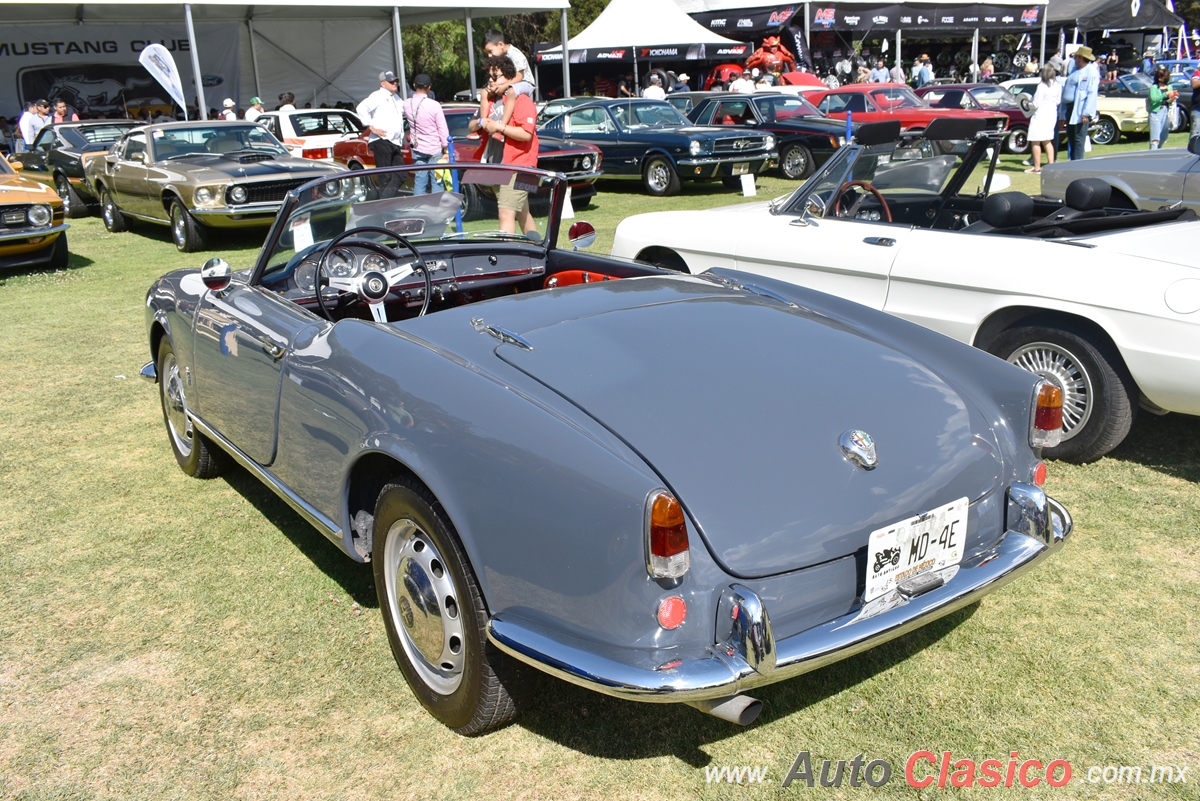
{"points": [[866, 187], [372, 286]]}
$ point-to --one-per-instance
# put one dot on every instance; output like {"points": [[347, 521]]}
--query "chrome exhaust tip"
{"points": [[739, 709]]}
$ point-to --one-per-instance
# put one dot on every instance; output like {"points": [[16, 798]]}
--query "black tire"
{"points": [[1099, 395], [73, 205], [187, 234], [1017, 141], [114, 221], [796, 162], [1105, 131], [434, 614], [354, 165], [477, 205], [659, 177], [197, 456], [59, 255]]}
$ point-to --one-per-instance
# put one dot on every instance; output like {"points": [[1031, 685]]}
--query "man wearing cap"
{"points": [[428, 134], [654, 91], [1080, 94], [383, 115], [227, 112], [256, 109], [681, 83]]}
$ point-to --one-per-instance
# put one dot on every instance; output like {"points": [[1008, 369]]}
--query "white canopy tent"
{"points": [[338, 49], [645, 26]]}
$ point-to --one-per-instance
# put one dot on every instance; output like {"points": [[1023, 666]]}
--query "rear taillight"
{"points": [[1046, 431], [667, 554], [317, 153]]}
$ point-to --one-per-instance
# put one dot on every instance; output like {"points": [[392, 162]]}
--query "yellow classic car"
{"points": [[1114, 115], [32, 230]]}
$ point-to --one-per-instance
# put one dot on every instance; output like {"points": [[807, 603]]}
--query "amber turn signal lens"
{"points": [[667, 553], [1047, 417]]}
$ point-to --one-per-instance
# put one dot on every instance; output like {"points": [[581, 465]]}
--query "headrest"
{"points": [[1007, 209], [1086, 194]]}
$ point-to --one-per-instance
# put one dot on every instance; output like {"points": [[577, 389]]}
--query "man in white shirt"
{"points": [[227, 111], [742, 84], [32, 121], [256, 109], [383, 114], [654, 91]]}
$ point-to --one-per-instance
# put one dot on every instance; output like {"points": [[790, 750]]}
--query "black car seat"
{"points": [[1004, 210], [1083, 195]]}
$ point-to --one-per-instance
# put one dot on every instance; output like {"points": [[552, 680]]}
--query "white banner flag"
{"points": [[158, 62]]}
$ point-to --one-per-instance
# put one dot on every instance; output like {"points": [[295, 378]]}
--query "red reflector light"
{"points": [[1039, 474], [1047, 417], [321, 153], [667, 554], [672, 612]]}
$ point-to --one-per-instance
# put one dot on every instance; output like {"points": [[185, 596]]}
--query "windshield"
{"points": [[894, 97], [992, 96], [910, 169], [784, 107], [632, 116], [181, 142], [476, 203], [318, 123]]}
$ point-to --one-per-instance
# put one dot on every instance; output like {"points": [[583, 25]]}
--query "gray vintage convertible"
{"points": [[667, 488]]}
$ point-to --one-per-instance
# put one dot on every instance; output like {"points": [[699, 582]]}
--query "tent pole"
{"points": [[1042, 57], [562, 26], [198, 77], [399, 51], [254, 57], [471, 54], [899, 59], [974, 54]]}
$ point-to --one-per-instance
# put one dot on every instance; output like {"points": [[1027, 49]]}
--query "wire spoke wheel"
{"points": [[1055, 363]]}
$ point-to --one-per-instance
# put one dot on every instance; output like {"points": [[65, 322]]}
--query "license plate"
{"points": [[920, 544], [741, 168]]}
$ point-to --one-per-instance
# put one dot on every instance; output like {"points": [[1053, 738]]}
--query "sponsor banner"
{"points": [[542, 53], [750, 23], [916, 17], [95, 68]]}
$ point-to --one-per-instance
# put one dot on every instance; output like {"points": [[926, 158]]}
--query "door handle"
{"points": [[272, 348], [882, 241]]}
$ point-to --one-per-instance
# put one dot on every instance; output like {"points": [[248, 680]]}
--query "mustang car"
{"points": [[508, 430], [311, 133], [652, 142], [59, 152], [1103, 302], [805, 137], [1148, 180], [881, 102], [197, 177], [579, 162], [985, 97], [32, 229]]}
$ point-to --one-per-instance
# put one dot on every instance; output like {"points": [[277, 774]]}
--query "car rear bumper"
{"points": [[745, 654]]}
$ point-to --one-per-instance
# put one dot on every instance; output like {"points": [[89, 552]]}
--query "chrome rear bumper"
{"points": [[746, 654]]}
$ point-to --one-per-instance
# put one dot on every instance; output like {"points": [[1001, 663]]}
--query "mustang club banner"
{"points": [[95, 68]]}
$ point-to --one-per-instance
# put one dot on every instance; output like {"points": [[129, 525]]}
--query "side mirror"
{"points": [[216, 274], [138, 157], [582, 235]]}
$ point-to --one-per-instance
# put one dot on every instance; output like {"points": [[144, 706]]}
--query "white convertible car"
{"points": [[1105, 302]]}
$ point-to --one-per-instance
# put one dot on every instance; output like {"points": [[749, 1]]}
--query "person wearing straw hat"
{"points": [[1080, 94]]}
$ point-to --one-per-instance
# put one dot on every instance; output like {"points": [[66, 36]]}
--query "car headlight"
{"points": [[203, 196], [587, 162], [238, 194], [40, 215], [695, 148], [769, 142]]}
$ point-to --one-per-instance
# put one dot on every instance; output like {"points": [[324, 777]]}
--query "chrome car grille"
{"points": [[13, 217], [743, 144], [267, 191]]}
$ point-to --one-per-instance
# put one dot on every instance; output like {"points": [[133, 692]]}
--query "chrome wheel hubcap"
{"points": [[795, 163], [177, 227], [1055, 363], [658, 176], [109, 212], [423, 604], [64, 192], [175, 407]]}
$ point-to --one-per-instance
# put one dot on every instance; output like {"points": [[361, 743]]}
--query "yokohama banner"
{"points": [[94, 67]]}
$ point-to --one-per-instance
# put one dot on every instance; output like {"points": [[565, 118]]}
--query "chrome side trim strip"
{"points": [[314, 517]]}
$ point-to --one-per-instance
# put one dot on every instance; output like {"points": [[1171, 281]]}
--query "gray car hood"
{"points": [[738, 404]]}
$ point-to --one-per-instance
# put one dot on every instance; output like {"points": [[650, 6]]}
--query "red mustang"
{"points": [[580, 163], [880, 102]]}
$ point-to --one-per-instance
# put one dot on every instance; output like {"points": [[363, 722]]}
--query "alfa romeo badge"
{"points": [[859, 448]]}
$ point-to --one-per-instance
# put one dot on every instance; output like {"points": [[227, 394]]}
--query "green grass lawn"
{"points": [[167, 638]]}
